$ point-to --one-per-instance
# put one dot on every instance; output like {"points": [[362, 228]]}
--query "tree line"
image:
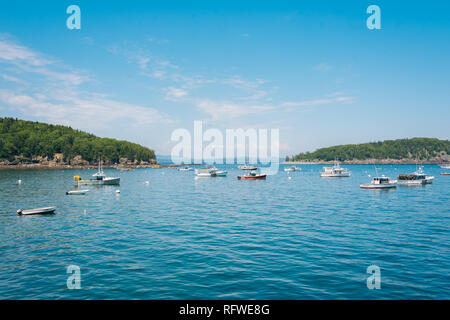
{"points": [[30, 139], [415, 148]]}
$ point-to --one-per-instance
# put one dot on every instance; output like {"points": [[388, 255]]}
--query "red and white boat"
{"points": [[253, 175]]}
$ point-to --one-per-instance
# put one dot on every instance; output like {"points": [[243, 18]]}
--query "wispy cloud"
{"points": [[323, 67], [55, 94], [310, 103], [225, 110]]}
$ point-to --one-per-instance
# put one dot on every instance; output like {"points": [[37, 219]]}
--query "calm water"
{"points": [[219, 238]]}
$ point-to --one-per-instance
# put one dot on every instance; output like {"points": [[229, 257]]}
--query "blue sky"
{"points": [[139, 70]]}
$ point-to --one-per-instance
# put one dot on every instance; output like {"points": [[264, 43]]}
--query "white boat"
{"points": [[290, 169], [185, 169], [445, 166], [205, 173], [415, 178], [247, 167], [221, 173], [77, 192], [99, 179], [380, 183], [335, 171], [46, 210]]}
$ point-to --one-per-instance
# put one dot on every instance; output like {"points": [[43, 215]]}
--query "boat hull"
{"points": [[76, 192], [378, 186], [104, 182], [341, 175], [28, 212]]}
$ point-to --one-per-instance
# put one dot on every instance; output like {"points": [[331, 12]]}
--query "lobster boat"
{"points": [[253, 175], [380, 183]]}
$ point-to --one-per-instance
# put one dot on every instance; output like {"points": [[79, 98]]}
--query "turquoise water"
{"points": [[219, 238]]}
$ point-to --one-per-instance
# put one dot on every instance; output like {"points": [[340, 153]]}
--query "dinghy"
{"points": [[77, 192], [46, 210]]}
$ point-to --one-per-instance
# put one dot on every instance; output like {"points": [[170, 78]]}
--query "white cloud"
{"points": [[81, 110], [12, 52], [221, 110], [316, 102], [323, 67], [10, 78], [175, 94]]}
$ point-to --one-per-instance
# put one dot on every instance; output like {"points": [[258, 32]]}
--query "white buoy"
{"points": [[289, 178], [19, 181], [147, 182], [117, 191]]}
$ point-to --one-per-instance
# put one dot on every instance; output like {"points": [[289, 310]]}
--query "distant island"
{"points": [[35, 144], [423, 150]]}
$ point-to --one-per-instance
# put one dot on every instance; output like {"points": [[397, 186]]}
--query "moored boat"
{"points": [[247, 167], [335, 171], [99, 179], [205, 173], [27, 212], [185, 169], [77, 192], [253, 175], [293, 168], [380, 183], [415, 178]]}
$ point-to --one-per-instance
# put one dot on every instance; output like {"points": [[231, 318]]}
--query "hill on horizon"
{"points": [[414, 148], [29, 140]]}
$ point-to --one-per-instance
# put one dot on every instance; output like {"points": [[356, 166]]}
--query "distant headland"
{"points": [[400, 151], [36, 145]]}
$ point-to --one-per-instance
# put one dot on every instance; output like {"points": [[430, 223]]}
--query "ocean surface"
{"points": [[179, 237]]}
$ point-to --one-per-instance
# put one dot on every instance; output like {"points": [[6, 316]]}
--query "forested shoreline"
{"points": [[35, 142]]}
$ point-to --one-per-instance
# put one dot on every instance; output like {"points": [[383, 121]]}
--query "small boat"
{"points": [[293, 168], [185, 169], [335, 172], [221, 173], [205, 173], [445, 166], [415, 178], [77, 192], [380, 183], [253, 175], [247, 167], [27, 212], [99, 179], [445, 173]]}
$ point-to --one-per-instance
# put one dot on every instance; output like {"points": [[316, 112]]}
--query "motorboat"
{"points": [[247, 167], [185, 169], [221, 173], [27, 212], [335, 171], [445, 166], [382, 182], [253, 175], [77, 192], [205, 173], [415, 178], [99, 179], [291, 169]]}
